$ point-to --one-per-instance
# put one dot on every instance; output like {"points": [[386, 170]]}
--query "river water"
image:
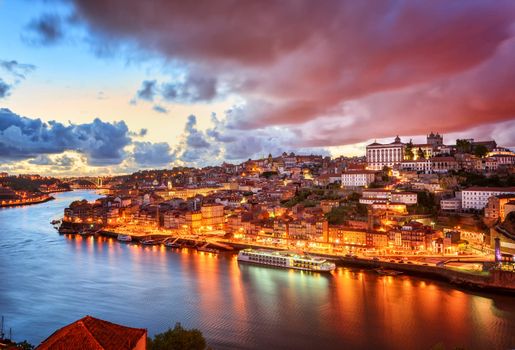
{"points": [[48, 281]]}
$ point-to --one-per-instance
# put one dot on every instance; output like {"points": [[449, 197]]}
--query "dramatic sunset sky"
{"points": [[97, 87]]}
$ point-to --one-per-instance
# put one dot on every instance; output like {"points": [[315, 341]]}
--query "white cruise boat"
{"points": [[124, 238], [285, 259]]}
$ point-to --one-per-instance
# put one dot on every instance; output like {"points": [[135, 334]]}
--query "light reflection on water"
{"points": [[47, 281]]}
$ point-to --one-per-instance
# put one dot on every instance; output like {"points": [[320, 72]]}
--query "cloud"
{"points": [[160, 109], [5, 89], [101, 142], [153, 154], [147, 90], [194, 88], [59, 161], [362, 66], [18, 70], [45, 30]]}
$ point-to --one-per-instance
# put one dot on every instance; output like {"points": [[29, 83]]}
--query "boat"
{"points": [[171, 244], [208, 250], [286, 259], [386, 272], [124, 238], [148, 241]]}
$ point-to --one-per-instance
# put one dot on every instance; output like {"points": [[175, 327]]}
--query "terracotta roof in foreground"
{"points": [[95, 334]]}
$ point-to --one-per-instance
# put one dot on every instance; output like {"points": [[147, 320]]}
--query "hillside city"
{"points": [[406, 199]]}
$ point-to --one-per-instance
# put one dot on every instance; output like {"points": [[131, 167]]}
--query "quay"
{"points": [[496, 281], [25, 201]]}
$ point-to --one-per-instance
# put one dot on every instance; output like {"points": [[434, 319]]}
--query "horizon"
{"points": [[88, 89]]}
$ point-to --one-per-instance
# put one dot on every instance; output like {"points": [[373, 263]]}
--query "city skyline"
{"points": [[90, 88]]}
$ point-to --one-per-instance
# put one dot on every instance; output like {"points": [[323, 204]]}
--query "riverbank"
{"points": [[17, 203], [492, 281]]}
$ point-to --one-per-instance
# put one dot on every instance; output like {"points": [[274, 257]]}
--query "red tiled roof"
{"points": [[95, 334]]}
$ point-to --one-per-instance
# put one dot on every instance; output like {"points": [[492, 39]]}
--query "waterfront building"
{"points": [[212, 216], [476, 198]]}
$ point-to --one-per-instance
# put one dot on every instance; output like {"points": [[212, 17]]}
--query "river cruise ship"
{"points": [[285, 259]]}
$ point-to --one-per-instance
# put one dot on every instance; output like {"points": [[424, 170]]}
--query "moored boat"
{"points": [[208, 250], [386, 272], [124, 238], [149, 241], [286, 259]]}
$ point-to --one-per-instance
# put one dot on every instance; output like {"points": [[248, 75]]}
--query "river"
{"points": [[48, 280]]}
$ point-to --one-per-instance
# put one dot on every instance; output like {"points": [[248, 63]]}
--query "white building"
{"points": [[375, 196], [361, 178], [451, 204], [404, 197], [419, 165], [381, 155], [477, 197]]}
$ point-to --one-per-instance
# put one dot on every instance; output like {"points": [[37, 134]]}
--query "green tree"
{"points": [[177, 338], [463, 146], [480, 151], [408, 151], [421, 154]]}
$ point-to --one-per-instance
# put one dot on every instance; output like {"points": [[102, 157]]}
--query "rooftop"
{"points": [[93, 333]]}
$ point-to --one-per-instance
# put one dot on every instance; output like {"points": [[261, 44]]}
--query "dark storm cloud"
{"points": [[22, 138], [45, 30], [153, 154], [301, 62], [4, 89]]}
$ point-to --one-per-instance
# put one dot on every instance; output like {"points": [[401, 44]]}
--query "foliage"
{"points": [[353, 197], [468, 179], [352, 210], [408, 151], [425, 204], [480, 151], [177, 338], [421, 154], [268, 174], [337, 216], [463, 146]]}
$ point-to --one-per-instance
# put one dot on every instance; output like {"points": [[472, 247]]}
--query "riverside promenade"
{"points": [[493, 280]]}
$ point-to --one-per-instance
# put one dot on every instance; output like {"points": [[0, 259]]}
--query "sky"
{"points": [[105, 87]]}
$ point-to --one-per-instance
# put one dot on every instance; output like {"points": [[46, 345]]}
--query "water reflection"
{"points": [[50, 280]]}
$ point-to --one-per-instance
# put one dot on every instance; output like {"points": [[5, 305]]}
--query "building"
{"points": [[212, 216], [476, 198], [93, 333], [327, 205], [450, 204], [418, 165], [404, 197], [381, 155], [363, 178], [495, 207]]}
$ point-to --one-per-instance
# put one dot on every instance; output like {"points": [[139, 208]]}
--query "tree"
{"points": [[177, 338], [421, 154], [480, 151], [408, 151], [463, 146]]}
